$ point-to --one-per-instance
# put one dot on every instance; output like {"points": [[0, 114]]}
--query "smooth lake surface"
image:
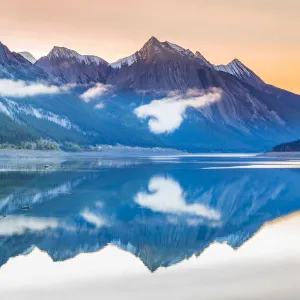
{"points": [[162, 209]]}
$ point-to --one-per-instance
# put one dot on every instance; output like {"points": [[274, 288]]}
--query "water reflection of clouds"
{"points": [[184, 211], [167, 196], [93, 218], [192, 221], [18, 225]]}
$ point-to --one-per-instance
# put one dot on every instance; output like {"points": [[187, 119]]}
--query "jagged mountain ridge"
{"points": [[66, 66], [239, 70], [14, 66], [28, 56], [252, 114], [160, 66], [154, 51]]}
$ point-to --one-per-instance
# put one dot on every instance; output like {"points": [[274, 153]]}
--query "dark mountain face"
{"points": [[288, 147], [249, 110], [164, 66], [161, 66], [67, 66], [14, 66]]}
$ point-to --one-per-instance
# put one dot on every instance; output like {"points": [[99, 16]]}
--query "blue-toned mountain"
{"points": [[67, 66], [162, 95], [14, 66]]}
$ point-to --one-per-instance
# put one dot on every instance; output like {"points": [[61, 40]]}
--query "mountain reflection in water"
{"points": [[162, 211]]}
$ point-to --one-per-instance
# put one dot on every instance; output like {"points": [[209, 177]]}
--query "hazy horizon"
{"points": [[261, 35]]}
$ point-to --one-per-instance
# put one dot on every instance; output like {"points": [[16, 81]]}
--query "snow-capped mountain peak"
{"points": [[15, 66], [152, 41], [198, 55], [65, 53], [239, 70], [65, 66], [235, 67], [4, 52], [28, 56], [154, 50]]}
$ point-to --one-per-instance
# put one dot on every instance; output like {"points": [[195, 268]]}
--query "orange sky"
{"points": [[264, 34]]}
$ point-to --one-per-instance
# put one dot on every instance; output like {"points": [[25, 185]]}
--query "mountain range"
{"points": [[160, 96]]}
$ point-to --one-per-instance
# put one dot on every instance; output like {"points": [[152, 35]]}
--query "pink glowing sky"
{"points": [[262, 34]]}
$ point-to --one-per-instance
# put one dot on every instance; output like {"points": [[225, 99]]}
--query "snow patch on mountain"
{"points": [[153, 45], [126, 61], [166, 115], [4, 110], [13, 109], [179, 49], [176, 47], [28, 56], [65, 53], [235, 68]]}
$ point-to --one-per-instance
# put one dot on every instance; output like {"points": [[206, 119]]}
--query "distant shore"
{"points": [[106, 151]]}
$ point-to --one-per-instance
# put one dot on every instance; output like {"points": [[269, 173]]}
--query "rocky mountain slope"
{"points": [[288, 147], [14, 66], [28, 56], [67, 66], [162, 95]]}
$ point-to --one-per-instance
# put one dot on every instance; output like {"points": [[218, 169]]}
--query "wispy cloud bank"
{"points": [[167, 196], [167, 114], [98, 90], [19, 89]]}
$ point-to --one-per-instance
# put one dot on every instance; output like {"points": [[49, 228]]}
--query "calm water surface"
{"points": [[162, 209]]}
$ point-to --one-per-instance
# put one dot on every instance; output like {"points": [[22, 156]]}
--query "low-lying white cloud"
{"points": [[19, 88], [94, 219], [167, 114], [98, 90], [17, 225], [167, 196]]}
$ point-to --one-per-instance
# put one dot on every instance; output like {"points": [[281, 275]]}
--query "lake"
{"points": [[162, 209]]}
